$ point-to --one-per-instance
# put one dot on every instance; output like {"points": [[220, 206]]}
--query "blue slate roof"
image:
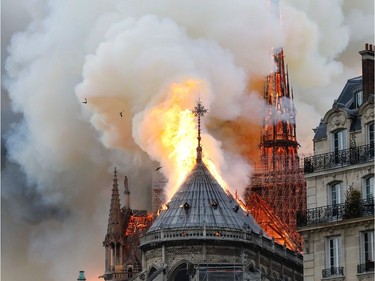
{"points": [[345, 102], [347, 95], [320, 131]]}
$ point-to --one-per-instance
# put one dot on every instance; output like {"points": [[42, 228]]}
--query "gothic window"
{"points": [[368, 188]]}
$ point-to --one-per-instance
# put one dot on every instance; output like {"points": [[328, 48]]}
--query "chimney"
{"points": [[81, 276], [368, 71]]}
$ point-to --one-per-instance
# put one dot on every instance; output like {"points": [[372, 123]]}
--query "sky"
{"points": [[58, 154]]}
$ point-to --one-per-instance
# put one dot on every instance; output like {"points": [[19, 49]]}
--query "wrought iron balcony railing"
{"points": [[365, 267], [341, 158], [333, 271], [336, 212]]}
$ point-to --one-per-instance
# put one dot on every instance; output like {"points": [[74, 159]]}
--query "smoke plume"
{"points": [[123, 57]]}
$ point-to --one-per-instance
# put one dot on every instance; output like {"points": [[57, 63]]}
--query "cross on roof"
{"points": [[199, 111]]}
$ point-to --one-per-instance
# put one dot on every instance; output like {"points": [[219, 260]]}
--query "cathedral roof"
{"points": [[201, 201]]}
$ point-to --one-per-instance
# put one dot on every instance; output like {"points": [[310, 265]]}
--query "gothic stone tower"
{"points": [[125, 225], [114, 242]]}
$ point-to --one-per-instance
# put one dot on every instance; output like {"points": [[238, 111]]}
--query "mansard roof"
{"points": [[320, 131], [346, 103], [201, 201], [352, 86]]}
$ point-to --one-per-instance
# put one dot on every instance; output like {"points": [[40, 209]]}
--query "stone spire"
{"points": [[199, 111], [114, 239], [114, 220]]}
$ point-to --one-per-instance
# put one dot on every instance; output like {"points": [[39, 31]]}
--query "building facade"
{"points": [[338, 226]]}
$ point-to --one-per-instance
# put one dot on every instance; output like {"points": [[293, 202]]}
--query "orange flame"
{"points": [[178, 137]]}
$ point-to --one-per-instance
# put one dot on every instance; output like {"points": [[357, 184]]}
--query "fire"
{"points": [[212, 168], [178, 134], [138, 221], [164, 207], [179, 140]]}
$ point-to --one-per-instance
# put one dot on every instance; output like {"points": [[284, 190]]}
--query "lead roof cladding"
{"points": [[201, 201]]}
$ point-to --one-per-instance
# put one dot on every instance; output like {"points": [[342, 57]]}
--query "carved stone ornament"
{"points": [[369, 114], [306, 239], [338, 120]]}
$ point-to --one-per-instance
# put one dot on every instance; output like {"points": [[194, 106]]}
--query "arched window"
{"points": [[130, 272], [335, 193], [368, 187], [181, 273], [339, 140], [338, 144]]}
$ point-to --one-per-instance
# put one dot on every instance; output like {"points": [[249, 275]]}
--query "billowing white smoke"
{"points": [[322, 40], [121, 56], [141, 56]]}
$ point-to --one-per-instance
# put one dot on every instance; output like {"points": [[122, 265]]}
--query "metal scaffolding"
{"points": [[278, 176]]}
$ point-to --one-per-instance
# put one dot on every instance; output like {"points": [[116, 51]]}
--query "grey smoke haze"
{"points": [[58, 154]]}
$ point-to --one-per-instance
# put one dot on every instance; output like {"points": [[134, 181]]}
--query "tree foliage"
{"points": [[352, 203]]}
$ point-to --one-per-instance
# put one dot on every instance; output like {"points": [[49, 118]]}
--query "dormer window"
{"points": [[358, 99]]}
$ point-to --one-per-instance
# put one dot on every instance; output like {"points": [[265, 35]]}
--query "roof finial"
{"points": [[199, 111]]}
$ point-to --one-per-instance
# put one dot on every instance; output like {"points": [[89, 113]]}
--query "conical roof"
{"points": [[202, 202]]}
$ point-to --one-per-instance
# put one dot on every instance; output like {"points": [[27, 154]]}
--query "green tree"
{"points": [[352, 203]]}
